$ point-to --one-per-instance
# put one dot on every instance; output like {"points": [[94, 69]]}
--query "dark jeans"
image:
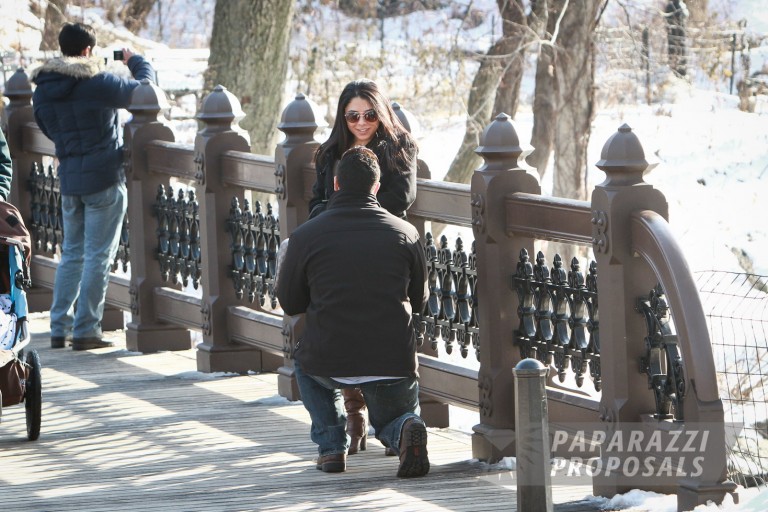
{"points": [[390, 403]]}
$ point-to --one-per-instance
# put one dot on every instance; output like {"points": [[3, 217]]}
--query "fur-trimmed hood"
{"points": [[76, 67], [62, 73]]}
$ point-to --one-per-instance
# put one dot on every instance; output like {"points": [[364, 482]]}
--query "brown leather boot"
{"points": [[357, 429]]}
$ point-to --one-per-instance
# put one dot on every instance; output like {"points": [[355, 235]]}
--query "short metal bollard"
{"points": [[534, 483]]}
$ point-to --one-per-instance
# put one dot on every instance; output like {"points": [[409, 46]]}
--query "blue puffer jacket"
{"points": [[75, 105]]}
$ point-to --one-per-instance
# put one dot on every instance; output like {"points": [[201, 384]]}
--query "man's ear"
{"points": [[335, 183], [376, 187]]}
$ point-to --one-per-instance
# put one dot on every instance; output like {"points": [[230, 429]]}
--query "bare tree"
{"points": [[699, 11], [515, 31], [543, 133], [55, 16], [135, 12], [575, 95], [249, 56], [504, 60]]}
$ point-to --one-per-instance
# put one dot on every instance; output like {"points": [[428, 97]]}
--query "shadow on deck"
{"points": [[126, 431]]}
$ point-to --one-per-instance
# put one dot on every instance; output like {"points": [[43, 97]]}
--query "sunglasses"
{"points": [[353, 116]]}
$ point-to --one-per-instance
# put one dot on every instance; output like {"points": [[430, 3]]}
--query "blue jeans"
{"points": [[92, 225], [390, 403]]}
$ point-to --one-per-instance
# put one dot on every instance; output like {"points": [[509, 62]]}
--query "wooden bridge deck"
{"points": [[126, 431]]}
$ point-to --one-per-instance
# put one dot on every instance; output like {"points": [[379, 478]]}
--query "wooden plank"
{"points": [[124, 431]]}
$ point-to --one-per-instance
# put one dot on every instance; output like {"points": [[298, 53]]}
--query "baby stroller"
{"points": [[19, 366]]}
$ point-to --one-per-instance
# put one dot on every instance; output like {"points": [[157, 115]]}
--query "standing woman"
{"points": [[364, 117]]}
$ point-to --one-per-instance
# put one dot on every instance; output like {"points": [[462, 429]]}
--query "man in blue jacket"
{"points": [[75, 104]]}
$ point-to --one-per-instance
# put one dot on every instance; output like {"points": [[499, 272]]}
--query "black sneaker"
{"points": [[89, 343], [413, 450]]}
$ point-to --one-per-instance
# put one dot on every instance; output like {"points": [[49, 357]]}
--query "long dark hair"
{"points": [[389, 142]]}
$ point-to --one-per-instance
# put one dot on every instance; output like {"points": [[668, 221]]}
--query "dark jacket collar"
{"points": [[343, 199]]}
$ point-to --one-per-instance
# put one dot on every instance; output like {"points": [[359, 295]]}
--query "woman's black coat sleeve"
{"points": [[398, 189]]}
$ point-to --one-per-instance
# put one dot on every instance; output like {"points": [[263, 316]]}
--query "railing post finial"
{"points": [[623, 159], [221, 112], [407, 119], [500, 145], [148, 102], [300, 120], [18, 90]]}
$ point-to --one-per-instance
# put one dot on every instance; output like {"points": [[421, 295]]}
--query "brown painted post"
{"points": [[144, 333], [299, 122], [16, 115], [501, 174], [622, 278], [220, 132]]}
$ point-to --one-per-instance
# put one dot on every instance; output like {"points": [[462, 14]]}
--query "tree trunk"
{"points": [[514, 29], [676, 14], [699, 11], [574, 94], [249, 56], [134, 14], [543, 132], [504, 58], [55, 16], [574, 72]]}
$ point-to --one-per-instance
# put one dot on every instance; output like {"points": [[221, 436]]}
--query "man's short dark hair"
{"points": [[358, 170], [76, 37]]}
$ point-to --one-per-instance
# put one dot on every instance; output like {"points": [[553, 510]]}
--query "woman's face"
{"points": [[361, 120]]}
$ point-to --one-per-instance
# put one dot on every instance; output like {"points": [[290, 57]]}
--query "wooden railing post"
{"points": [[624, 278], [144, 333], [220, 114], [501, 174], [293, 156], [17, 114], [300, 120], [621, 280]]}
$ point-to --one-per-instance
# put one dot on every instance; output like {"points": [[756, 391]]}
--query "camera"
{"points": [[117, 55]]}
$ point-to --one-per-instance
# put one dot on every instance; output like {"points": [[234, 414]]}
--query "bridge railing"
{"points": [[200, 258]]}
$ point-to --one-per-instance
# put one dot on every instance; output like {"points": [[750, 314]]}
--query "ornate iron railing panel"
{"points": [[662, 362], [255, 240], [46, 228], [178, 236], [558, 314], [451, 310], [123, 256]]}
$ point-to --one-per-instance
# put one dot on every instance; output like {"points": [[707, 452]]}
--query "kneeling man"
{"points": [[358, 272]]}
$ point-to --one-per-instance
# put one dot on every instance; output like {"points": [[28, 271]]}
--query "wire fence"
{"points": [[736, 306]]}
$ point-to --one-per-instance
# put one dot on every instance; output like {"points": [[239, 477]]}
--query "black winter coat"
{"points": [[396, 193], [358, 272]]}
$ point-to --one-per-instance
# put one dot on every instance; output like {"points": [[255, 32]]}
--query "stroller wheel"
{"points": [[33, 395]]}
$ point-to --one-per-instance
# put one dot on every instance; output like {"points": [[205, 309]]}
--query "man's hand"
{"points": [[127, 54]]}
